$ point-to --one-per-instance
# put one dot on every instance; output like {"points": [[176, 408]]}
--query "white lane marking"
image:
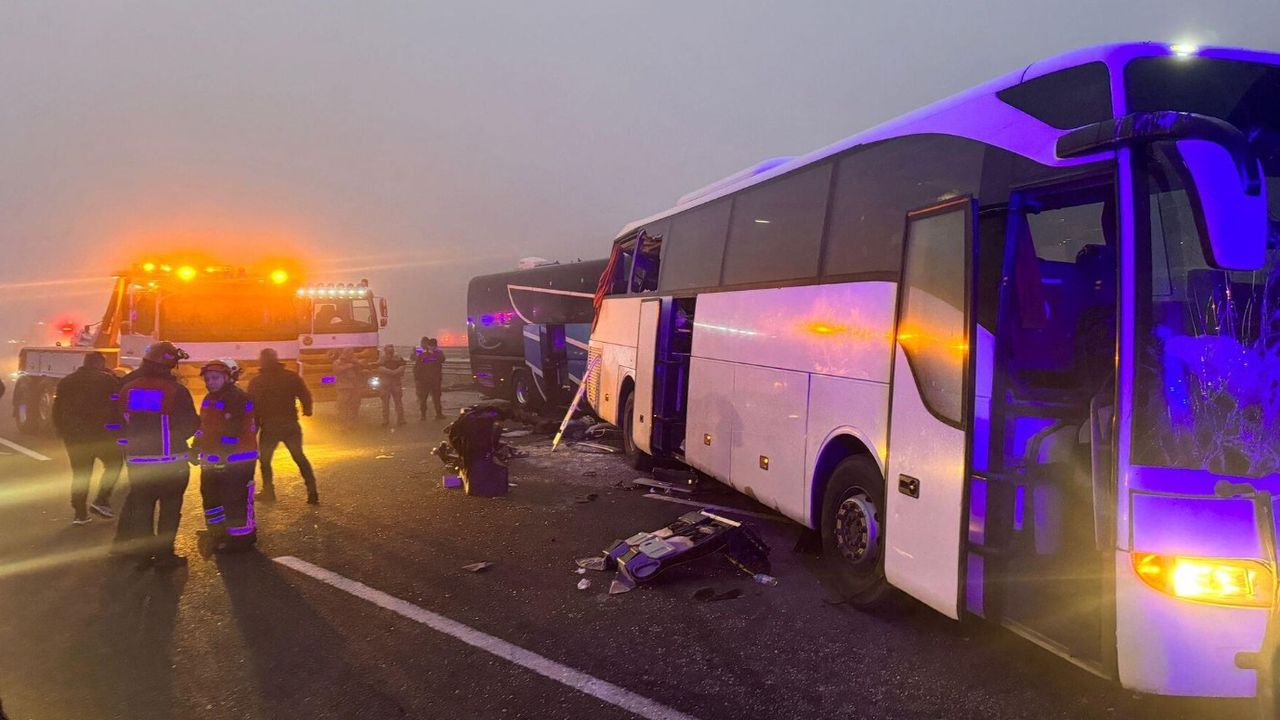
{"points": [[25, 451], [721, 508], [580, 681]]}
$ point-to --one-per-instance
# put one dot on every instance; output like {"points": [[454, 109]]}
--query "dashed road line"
{"points": [[24, 450], [563, 674]]}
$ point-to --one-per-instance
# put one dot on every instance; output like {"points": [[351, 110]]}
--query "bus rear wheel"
{"points": [[636, 458], [853, 512], [524, 390]]}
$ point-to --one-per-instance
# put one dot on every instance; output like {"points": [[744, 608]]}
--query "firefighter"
{"points": [[159, 419], [428, 374], [348, 374], [276, 392], [87, 416], [391, 385], [228, 446]]}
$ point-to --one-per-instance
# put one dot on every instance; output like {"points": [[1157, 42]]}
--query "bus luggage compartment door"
{"points": [[930, 409]]}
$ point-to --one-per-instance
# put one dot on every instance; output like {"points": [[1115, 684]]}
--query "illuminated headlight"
{"points": [[1221, 581], [375, 382]]}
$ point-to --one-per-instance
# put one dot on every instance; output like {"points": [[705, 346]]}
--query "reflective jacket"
{"points": [[159, 418], [228, 433]]}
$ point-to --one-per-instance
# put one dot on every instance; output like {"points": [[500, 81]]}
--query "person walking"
{"points": [[228, 445], [428, 376], [391, 384], [348, 374], [276, 393], [86, 414], [159, 420]]}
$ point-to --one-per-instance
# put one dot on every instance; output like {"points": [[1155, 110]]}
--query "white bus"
{"points": [[1005, 353]]}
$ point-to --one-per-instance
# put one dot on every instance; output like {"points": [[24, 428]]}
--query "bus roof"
{"points": [[976, 114]]}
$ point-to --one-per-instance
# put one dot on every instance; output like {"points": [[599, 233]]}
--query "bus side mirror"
{"points": [[1235, 222], [382, 312]]}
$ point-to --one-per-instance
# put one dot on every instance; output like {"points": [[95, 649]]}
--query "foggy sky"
{"points": [[418, 144]]}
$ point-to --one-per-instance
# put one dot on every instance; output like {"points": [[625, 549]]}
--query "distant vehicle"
{"points": [[208, 311], [334, 317], [1014, 354], [527, 331]]}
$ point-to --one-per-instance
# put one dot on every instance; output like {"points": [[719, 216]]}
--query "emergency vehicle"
{"points": [[210, 311], [334, 317]]}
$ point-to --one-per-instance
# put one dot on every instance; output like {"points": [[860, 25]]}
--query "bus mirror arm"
{"points": [[1166, 125]]}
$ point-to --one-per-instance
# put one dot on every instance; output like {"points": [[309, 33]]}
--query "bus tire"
{"points": [[636, 458], [853, 513], [524, 390]]}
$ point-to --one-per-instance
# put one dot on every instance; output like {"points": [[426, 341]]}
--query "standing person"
{"points": [[276, 392], [159, 420], [86, 413], [228, 447], [348, 375], [428, 375], [391, 387]]}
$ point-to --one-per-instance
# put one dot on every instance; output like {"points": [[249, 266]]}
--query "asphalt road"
{"points": [[248, 636]]}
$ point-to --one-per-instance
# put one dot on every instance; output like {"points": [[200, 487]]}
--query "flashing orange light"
{"points": [[166, 268], [186, 273], [279, 277], [1219, 581], [149, 267]]}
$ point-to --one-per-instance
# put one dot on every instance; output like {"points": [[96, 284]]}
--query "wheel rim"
{"points": [[522, 390], [22, 413], [46, 406], [857, 531]]}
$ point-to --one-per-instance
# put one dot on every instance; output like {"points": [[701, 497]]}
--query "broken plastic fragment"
{"points": [[619, 586], [764, 579], [596, 562], [477, 567], [583, 584]]}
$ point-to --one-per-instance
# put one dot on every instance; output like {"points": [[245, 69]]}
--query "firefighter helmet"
{"points": [[224, 365], [165, 353]]}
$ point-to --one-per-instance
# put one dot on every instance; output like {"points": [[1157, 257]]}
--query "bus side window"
{"points": [[644, 274]]}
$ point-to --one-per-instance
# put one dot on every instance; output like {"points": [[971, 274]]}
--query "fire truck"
{"points": [[210, 311]]}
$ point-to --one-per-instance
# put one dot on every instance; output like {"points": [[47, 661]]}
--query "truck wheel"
{"points": [[524, 390], [853, 513], [29, 397], [636, 458]]}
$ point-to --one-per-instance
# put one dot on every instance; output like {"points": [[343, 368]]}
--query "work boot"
{"points": [[266, 494]]}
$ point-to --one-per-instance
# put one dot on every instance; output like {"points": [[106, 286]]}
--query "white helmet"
{"points": [[226, 365]]}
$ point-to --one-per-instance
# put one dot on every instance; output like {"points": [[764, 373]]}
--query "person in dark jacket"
{"points": [[159, 420], [86, 414], [228, 445], [276, 392], [428, 375]]}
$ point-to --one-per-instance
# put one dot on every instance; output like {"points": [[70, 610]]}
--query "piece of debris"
{"points": [[590, 473], [517, 433], [693, 535], [474, 450], [452, 481], [599, 563], [707, 594], [662, 486], [383, 457], [584, 499], [583, 584], [580, 571], [764, 579], [478, 567], [595, 448]]}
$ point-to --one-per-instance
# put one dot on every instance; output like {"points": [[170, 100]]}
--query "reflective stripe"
{"points": [[164, 434], [241, 457], [158, 458]]}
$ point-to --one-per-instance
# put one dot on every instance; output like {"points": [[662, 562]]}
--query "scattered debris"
{"points": [[517, 433], [383, 457], [452, 481], [707, 594], [590, 473], [478, 567], [764, 579], [595, 448], [661, 486], [474, 450], [584, 499], [580, 571], [693, 535], [583, 584]]}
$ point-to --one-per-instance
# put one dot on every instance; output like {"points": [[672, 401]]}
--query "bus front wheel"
{"points": [[636, 458], [853, 512], [525, 391]]}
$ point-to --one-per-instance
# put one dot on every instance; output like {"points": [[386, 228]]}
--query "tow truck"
{"points": [[210, 311], [335, 317]]}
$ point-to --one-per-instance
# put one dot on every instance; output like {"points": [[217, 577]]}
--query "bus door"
{"points": [[931, 400], [646, 359]]}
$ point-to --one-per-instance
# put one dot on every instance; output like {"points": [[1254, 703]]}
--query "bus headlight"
{"points": [[1220, 581]]}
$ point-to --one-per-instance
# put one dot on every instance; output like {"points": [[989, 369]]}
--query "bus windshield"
{"points": [[1208, 341], [228, 314]]}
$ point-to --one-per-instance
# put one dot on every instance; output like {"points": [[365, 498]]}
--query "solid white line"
{"points": [[25, 451], [721, 508], [580, 681]]}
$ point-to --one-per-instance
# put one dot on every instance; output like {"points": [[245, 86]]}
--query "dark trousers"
{"points": [[429, 390], [392, 393], [349, 399], [291, 435], [83, 454], [142, 530], [227, 495]]}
